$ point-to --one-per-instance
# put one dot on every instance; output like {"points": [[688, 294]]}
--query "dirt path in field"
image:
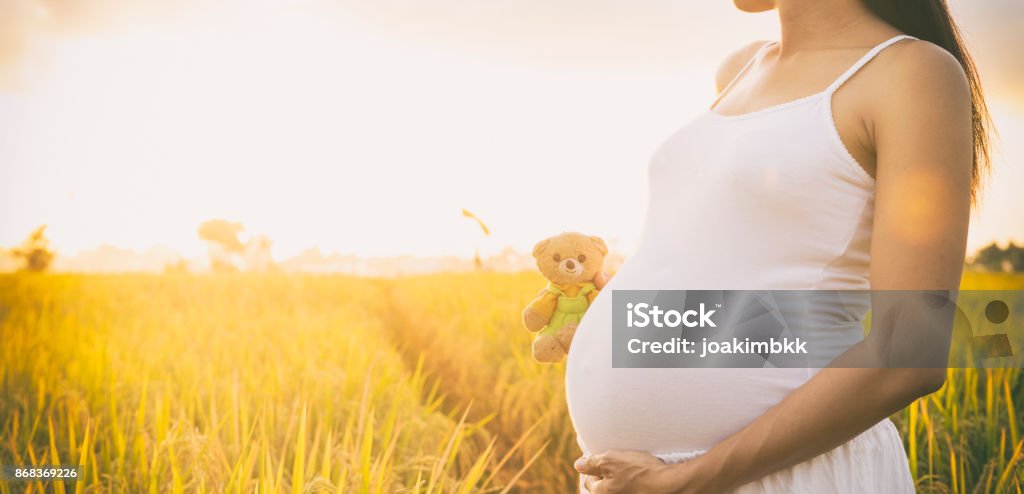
{"points": [[417, 329], [412, 340]]}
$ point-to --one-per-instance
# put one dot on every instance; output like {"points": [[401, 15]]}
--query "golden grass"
{"points": [[302, 384], [966, 438]]}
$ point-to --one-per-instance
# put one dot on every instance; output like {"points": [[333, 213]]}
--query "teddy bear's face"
{"points": [[570, 257]]}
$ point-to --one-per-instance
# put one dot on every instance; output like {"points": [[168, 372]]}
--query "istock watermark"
{"points": [[814, 328], [646, 314]]}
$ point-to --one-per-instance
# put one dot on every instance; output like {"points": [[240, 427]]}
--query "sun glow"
{"points": [[319, 125], [316, 130]]}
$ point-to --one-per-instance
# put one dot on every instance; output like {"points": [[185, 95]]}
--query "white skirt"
{"points": [[873, 462]]}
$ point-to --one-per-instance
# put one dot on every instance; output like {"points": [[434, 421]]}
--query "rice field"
{"points": [[321, 384]]}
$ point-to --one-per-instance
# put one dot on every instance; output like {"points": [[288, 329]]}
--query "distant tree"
{"points": [[257, 256], [178, 267], [995, 258], [221, 265], [1015, 256], [223, 245], [989, 258], [224, 234], [229, 254], [35, 252]]}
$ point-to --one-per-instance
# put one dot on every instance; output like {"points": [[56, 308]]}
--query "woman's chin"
{"points": [[754, 6]]}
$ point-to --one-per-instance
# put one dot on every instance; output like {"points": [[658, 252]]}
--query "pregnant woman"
{"points": [[844, 156]]}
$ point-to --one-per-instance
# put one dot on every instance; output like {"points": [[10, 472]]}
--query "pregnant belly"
{"points": [[661, 411]]}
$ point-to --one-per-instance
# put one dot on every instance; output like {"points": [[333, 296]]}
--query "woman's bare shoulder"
{"points": [[918, 73], [734, 62], [917, 59]]}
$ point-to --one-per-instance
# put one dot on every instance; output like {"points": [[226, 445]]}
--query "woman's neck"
{"points": [[818, 24]]}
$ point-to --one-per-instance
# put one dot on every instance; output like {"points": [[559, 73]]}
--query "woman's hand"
{"points": [[601, 279], [623, 472], [631, 472]]}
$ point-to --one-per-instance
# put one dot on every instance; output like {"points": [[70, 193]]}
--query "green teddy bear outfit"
{"points": [[569, 309]]}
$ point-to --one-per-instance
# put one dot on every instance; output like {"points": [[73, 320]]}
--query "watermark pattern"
{"points": [[817, 328]]}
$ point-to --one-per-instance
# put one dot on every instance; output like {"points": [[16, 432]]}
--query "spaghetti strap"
{"points": [[736, 78], [863, 61]]}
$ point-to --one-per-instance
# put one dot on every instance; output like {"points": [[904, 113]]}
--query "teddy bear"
{"points": [[570, 261]]}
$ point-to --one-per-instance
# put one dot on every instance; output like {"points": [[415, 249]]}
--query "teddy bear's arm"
{"points": [[592, 295], [539, 311], [545, 303]]}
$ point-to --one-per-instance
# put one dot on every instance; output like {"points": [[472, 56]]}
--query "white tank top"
{"points": [[766, 200]]}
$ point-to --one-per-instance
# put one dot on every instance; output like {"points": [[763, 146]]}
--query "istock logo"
{"points": [[643, 315]]}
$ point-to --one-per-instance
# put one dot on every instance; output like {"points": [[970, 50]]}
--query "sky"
{"points": [[364, 127]]}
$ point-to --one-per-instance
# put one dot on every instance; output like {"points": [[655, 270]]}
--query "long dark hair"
{"points": [[931, 21]]}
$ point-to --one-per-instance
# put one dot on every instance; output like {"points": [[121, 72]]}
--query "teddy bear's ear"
{"points": [[599, 242], [539, 248]]}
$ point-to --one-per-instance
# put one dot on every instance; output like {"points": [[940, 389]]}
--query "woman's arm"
{"points": [[923, 140]]}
